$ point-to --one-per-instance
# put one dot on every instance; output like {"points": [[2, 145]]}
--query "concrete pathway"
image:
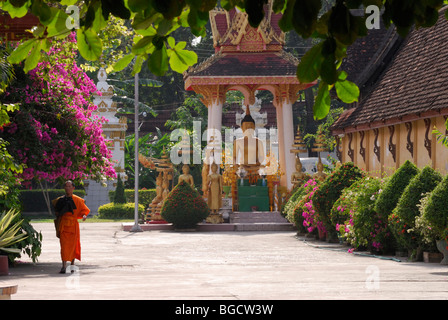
{"points": [[169, 265]]}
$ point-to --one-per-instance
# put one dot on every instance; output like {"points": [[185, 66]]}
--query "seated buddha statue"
{"points": [[248, 151]]}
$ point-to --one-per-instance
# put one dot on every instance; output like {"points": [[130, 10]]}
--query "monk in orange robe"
{"points": [[69, 209]]}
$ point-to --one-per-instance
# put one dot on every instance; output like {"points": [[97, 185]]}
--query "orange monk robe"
{"points": [[69, 231]]}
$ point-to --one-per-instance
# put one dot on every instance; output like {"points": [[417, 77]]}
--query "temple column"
{"points": [[281, 142], [285, 96], [288, 140], [213, 98]]}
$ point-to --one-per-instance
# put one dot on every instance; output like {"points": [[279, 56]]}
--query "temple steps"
{"points": [[238, 221]]}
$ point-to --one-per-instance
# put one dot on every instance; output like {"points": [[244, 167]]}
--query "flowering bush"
{"points": [[330, 190], [423, 227], [436, 209], [288, 209], [364, 227], [402, 219], [184, 207], [55, 134], [303, 215]]}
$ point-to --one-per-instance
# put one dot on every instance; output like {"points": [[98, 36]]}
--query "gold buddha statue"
{"points": [[248, 151], [298, 177], [186, 176]]}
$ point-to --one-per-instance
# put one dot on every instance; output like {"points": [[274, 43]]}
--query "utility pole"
{"points": [[136, 227]]}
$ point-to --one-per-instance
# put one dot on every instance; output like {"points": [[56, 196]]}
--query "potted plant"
{"points": [[9, 236], [435, 212]]}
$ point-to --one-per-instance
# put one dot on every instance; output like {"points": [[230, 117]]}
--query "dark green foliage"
{"points": [[436, 210], [119, 211], [184, 207], [33, 200], [388, 198], [403, 217], [145, 196], [119, 196], [331, 189]]}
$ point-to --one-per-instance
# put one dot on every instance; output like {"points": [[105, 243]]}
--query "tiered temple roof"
{"points": [[411, 86]]}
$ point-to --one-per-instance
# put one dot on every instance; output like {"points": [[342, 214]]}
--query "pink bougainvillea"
{"points": [[55, 133]]}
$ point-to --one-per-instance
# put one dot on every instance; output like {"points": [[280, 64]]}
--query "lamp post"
{"points": [[136, 227]]}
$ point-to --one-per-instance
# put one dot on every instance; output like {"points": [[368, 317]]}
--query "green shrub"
{"points": [[388, 199], [288, 207], [402, 219], [295, 213], [330, 190], [436, 209], [184, 207], [33, 200], [145, 196], [119, 196], [366, 228], [119, 211]]}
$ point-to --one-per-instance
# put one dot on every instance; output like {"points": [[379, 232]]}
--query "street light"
{"points": [[136, 227]]}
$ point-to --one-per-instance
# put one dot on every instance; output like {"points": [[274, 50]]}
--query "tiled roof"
{"points": [[412, 84], [15, 29], [247, 64]]}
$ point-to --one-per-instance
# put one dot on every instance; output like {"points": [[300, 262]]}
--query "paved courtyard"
{"points": [[169, 265]]}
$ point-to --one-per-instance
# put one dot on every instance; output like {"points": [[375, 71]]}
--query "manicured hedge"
{"points": [[436, 210], [119, 211], [33, 200], [144, 196], [403, 216], [388, 199]]}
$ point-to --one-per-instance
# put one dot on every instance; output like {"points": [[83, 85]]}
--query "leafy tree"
{"points": [[54, 134], [119, 196], [154, 21]]}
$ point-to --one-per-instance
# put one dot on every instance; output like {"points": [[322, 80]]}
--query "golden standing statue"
{"points": [[186, 176], [214, 182], [298, 177]]}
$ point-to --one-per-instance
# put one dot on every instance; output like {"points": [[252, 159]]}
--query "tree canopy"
{"points": [[154, 21]]}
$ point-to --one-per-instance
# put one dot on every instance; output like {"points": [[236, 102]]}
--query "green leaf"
{"points": [[305, 16], [158, 61], [347, 91], [15, 12], [285, 23], [181, 60], [142, 45], [123, 62], [89, 44], [328, 71], [322, 103], [68, 2], [33, 59], [138, 5], [22, 51], [309, 66], [57, 26]]}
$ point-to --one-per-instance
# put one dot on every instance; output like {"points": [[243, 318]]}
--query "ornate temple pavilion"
{"points": [[249, 59]]}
